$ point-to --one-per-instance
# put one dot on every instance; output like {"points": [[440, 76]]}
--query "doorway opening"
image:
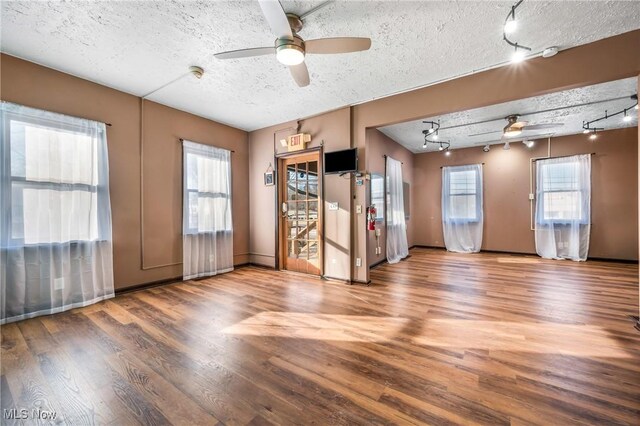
{"points": [[300, 220]]}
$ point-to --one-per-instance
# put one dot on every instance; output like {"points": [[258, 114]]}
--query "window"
{"points": [[462, 188], [54, 178], [377, 195], [561, 192], [207, 190]]}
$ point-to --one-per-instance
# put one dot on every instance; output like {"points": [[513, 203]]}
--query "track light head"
{"points": [[486, 148], [447, 153], [518, 56], [510, 26], [593, 136], [506, 146], [197, 71]]}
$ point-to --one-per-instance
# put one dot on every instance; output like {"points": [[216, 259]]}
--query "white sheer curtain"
{"points": [[397, 247], [207, 227], [55, 213], [563, 207], [462, 213]]}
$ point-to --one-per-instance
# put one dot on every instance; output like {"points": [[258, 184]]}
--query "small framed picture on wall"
{"points": [[269, 178]]}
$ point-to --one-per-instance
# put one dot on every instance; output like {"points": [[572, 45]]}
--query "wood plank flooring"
{"points": [[440, 338]]}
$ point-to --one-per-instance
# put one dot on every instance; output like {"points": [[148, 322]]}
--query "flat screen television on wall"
{"points": [[345, 161]]}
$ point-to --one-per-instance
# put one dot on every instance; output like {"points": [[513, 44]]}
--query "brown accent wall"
{"points": [[507, 214], [378, 145], [331, 130], [29, 84]]}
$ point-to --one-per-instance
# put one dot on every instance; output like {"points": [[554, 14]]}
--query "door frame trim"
{"points": [[278, 197]]}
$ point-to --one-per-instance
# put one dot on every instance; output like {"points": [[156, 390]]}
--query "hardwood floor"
{"points": [[440, 338]]}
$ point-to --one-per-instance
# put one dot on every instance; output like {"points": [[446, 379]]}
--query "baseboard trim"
{"points": [[599, 259], [145, 286]]}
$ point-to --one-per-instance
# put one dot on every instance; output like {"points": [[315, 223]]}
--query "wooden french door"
{"points": [[301, 213]]}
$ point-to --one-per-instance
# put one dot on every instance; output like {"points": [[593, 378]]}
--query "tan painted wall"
{"points": [[605, 60], [29, 84], [379, 144], [614, 197], [333, 130]]}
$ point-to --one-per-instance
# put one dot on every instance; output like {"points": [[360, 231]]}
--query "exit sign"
{"points": [[298, 142]]}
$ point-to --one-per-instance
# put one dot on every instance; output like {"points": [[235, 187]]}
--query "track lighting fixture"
{"points": [[591, 127], [510, 25], [447, 153], [486, 148], [432, 132], [593, 136], [506, 146], [528, 143]]}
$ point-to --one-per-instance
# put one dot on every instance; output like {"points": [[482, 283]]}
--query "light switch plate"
{"points": [[358, 262], [359, 209], [333, 206]]}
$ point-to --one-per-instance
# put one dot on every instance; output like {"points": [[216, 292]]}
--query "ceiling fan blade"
{"points": [[543, 126], [485, 133], [245, 53], [337, 45], [277, 19], [300, 74]]}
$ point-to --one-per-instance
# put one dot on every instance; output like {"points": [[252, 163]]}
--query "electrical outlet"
{"points": [[359, 209], [532, 197], [333, 206], [58, 283], [358, 262], [377, 232]]}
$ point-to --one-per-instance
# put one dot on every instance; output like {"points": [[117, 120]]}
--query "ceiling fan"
{"points": [[289, 47], [515, 127]]}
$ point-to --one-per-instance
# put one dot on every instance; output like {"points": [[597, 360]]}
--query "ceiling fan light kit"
{"points": [[290, 51]]}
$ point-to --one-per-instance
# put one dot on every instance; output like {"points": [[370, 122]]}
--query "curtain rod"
{"points": [[385, 156], [561, 156], [442, 167], [182, 140]]}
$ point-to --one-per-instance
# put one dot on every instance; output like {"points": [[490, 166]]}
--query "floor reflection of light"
{"points": [[549, 338], [518, 259], [352, 328]]}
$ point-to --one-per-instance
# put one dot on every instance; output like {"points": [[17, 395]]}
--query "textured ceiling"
{"points": [[139, 46], [567, 109]]}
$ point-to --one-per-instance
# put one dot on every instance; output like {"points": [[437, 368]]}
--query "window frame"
{"points": [[23, 183], [188, 230], [540, 192], [477, 193]]}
